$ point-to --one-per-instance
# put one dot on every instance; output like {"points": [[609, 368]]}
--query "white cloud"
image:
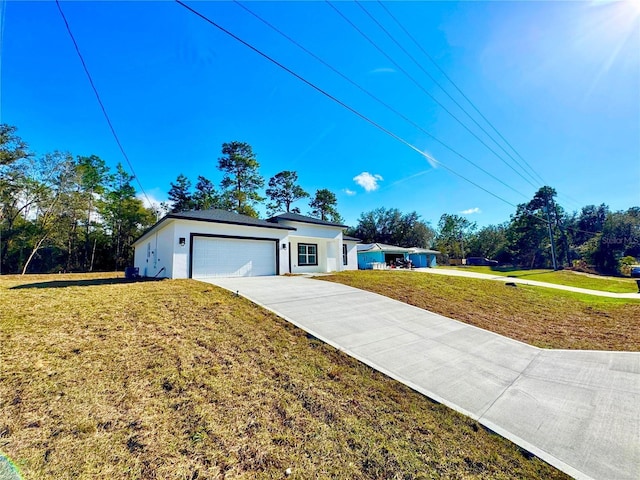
{"points": [[351, 193], [368, 181], [471, 211], [155, 202]]}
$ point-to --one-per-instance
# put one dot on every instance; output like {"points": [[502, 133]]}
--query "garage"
{"points": [[214, 256]]}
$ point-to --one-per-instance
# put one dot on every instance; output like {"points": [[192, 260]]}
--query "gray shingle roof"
{"points": [[223, 216], [296, 217], [350, 239], [214, 215]]}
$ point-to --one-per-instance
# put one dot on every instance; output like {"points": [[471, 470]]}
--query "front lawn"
{"points": [[102, 379], [560, 277], [544, 317]]}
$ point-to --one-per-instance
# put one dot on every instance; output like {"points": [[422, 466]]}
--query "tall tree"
{"points": [[589, 222], [392, 227], [125, 216], [454, 231], [12, 147], [205, 196], [180, 195], [54, 182], [530, 240], [324, 205], [283, 191], [241, 179], [14, 181], [94, 175], [620, 237]]}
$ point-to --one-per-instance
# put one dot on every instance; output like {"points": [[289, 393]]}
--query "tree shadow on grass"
{"points": [[85, 283]]}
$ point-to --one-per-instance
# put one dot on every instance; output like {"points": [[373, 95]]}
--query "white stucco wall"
{"points": [[329, 242], [155, 252], [312, 230], [175, 258], [352, 256], [321, 252]]}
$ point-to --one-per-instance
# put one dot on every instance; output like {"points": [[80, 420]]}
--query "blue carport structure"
{"points": [[423, 257], [379, 255]]}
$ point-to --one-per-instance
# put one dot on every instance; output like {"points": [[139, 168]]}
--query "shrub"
{"points": [[624, 265]]}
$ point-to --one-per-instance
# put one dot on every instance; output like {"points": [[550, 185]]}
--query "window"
{"points": [[307, 254], [344, 254]]}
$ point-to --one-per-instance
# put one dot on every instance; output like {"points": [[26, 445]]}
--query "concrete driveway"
{"points": [[577, 410]]}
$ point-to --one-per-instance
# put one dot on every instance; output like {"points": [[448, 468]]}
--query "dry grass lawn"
{"points": [[561, 277], [102, 379], [539, 316]]}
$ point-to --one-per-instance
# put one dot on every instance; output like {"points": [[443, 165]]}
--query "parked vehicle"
{"points": [[481, 262], [635, 271]]}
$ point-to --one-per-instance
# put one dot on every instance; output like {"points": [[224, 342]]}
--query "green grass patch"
{"points": [[544, 317], [183, 380], [561, 277]]}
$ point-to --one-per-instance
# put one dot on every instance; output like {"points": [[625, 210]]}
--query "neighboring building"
{"points": [[218, 243], [376, 255], [380, 255], [423, 257]]}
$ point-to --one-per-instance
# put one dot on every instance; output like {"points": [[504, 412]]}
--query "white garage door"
{"points": [[231, 257]]}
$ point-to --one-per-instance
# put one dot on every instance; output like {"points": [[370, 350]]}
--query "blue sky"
{"points": [[560, 81]]}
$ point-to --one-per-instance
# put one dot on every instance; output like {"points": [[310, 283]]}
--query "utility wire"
{"points": [[2, 22], [424, 90], [459, 90], [104, 111], [473, 105], [435, 100], [347, 107], [339, 102], [371, 95], [413, 59]]}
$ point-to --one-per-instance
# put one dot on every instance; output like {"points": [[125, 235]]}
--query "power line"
{"points": [[424, 90], [377, 99], [349, 108], [413, 59], [338, 101], [432, 60], [473, 105], [104, 111], [2, 23]]}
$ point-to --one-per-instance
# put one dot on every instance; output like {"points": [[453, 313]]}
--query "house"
{"points": [[379, 255], [218, 243]]}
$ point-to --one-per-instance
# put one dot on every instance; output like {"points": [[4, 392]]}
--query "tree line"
{"points": [[240, 189], [60, 212], [64, 213], [592, 239], [595, 239]]}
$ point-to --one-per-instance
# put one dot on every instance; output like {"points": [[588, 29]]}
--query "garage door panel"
{"points": [[232, 257]]}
